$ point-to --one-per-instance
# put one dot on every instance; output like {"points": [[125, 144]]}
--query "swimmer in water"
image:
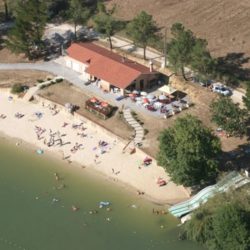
{"points": [[74, 208], [56, 176], [55, 200]]}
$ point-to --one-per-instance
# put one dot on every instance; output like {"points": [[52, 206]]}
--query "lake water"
{"points": [[35, 215]]}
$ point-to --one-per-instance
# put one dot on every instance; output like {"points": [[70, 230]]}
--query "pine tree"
{"points": [[26, 35], [105, 23], [6, 10], [180, 48], [143, 29], [201, 60], [78, 13]]}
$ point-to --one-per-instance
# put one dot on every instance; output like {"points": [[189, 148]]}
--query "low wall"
{"points": [[5, 90]]}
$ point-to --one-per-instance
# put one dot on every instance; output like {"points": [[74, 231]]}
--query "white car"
{"points": [[221, 89]]}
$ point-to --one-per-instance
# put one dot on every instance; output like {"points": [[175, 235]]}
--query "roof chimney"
{"points": [[151, 66]]}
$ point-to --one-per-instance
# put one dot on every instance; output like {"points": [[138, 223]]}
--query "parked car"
{"points": [[221, 89]]}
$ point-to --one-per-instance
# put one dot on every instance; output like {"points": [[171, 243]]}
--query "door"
{"points": [[76, 66], [141, 84], [68, 63]]}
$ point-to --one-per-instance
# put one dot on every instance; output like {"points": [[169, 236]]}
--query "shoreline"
{"points": [[26, 147], [130, 178]]}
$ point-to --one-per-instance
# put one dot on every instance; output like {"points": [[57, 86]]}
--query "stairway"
{"points": [[139, 132]]}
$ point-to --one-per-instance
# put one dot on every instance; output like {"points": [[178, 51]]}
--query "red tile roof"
{"points": [[106, 65]]}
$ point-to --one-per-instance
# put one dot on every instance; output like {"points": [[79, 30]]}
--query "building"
{"points": [[110, 70]]}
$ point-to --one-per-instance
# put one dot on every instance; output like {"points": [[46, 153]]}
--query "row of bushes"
{"points": [[19, 88], [52, 82]]}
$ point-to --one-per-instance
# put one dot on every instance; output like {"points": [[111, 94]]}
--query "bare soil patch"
{"points": [[26, 77], [67, 93], [6, 56]]}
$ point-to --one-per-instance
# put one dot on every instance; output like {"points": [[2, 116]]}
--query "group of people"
{"points": [[76, 147], [52, 108], [19, 115]]}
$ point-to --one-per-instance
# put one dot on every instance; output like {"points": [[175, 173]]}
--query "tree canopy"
{"points": [[230, 228], [229, 116], [223, 223], [142, 30], [26, 35], [185, 50], [105, 23], [201, 61], [180, 47], [188, 151]]}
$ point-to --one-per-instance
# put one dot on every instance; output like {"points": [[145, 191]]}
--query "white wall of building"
{"points": [[75, 65]]}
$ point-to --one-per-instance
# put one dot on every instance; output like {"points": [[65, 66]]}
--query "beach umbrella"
{"points": [[135, 92], [157, 105], [145, 100], [150, 96], [93, 99], [143, 93], [68, 105], [104, 104], [162, 97]]}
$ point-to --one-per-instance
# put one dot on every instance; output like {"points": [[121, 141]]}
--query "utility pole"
{"points": [[165, 48]]}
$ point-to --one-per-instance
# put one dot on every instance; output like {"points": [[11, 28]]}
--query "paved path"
{"points": [[78, 80], [32, 91], [139, 132], [128, 46]]}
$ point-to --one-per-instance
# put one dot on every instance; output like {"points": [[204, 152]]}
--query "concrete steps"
{"points": [[139, 131]]}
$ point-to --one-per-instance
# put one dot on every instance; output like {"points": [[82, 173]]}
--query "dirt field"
{"points": [[6, 56], [27, 77], [224, 23], [65, 92]]}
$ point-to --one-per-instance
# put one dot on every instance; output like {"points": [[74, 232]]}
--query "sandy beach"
{"points": [[75, 139]]}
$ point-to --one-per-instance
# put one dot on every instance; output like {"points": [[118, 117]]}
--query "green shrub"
{"points": [[59, 80], [40, 80], [17, 88], [145, 131], [42, 86], [133, 113]]}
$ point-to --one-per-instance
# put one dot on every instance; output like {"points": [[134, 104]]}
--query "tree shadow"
{"points": [[230, 68], [237, 159]]}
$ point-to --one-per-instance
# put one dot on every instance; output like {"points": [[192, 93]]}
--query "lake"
{"points": [[36, 209]]}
